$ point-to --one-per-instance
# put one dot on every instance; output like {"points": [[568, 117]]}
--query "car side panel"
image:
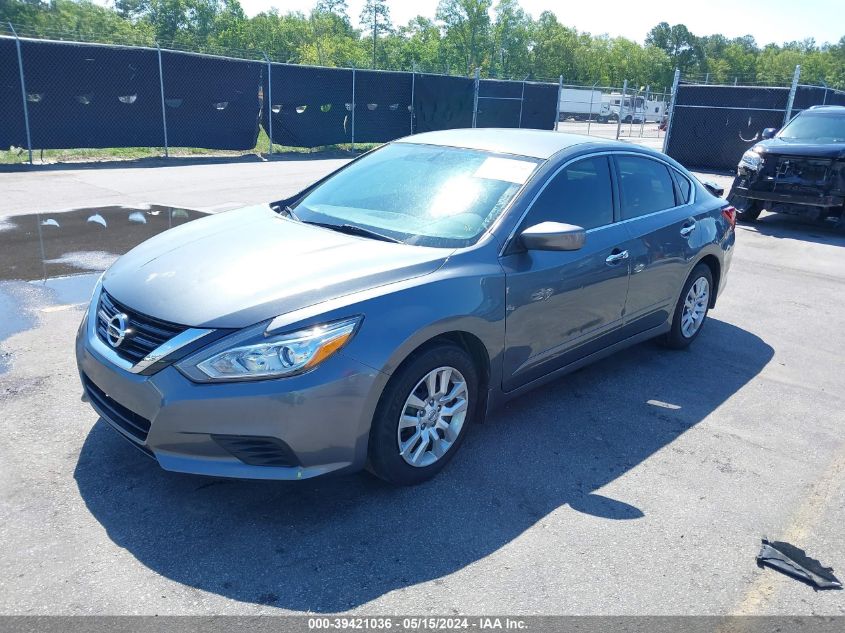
{"points": [[558, 301], [659, 256]]}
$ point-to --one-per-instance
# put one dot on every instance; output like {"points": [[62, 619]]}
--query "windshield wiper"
{"points": [[288, 211], [353, 229]]}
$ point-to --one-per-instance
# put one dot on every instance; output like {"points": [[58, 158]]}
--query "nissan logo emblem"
{"points": [[116, 329]]}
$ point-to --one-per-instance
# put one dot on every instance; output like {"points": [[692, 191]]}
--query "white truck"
{"points": [[635, 109], [582, 104], [629, 109]]}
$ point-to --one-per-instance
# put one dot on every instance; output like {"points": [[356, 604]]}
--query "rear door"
{"points": [[659, 220], [560, 305]]}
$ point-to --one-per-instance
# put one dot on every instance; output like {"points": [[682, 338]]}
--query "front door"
{"points": [[560, 304]]}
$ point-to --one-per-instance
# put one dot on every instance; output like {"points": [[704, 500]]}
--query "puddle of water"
{"points": [[45, 245], [47, 259], [72, 290]]}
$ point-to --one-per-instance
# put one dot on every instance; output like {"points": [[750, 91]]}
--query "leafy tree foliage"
{"points": [[497, 36]]}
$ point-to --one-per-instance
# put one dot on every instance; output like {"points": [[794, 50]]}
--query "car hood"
{"points": [[237, 268], [787, 147]]}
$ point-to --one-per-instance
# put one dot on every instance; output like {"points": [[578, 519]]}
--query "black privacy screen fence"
{"points": [[712, 126], [211, 102], [87, 95], [82, 95]]}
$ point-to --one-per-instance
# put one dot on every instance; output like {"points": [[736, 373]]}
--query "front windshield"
{"points": [[420, 194], [815, 128]]}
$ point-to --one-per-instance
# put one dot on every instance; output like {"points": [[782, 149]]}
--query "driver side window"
{"points": [[580, 194]]}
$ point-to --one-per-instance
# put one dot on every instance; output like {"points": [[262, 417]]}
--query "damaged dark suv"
{"points": [[799, 169]]}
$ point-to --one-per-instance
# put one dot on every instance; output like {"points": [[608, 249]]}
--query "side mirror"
{"points": [[713, 188], [553, 236], [769, 132]]}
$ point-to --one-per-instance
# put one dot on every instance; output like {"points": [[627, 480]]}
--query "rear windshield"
{"points": [[420, 194]]}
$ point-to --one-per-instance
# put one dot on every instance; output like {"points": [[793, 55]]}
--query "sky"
{"points": [[767, 20]]}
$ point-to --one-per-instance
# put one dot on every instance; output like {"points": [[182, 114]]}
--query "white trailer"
{"points": [[581, 104]]}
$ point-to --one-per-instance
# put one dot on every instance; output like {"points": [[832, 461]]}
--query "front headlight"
{"points": [[278, 356], [751, 160]]}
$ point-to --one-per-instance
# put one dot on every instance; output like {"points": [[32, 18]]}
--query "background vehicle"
{"points": [[581, 104], [629, 109], [798, 170], [368, 320]]}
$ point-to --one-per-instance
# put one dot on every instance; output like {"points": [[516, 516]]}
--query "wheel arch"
{"points": [[715, 266], [472, 345]]}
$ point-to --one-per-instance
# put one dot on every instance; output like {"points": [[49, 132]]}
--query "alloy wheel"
{"points": [[433, 416], [695, 307]]}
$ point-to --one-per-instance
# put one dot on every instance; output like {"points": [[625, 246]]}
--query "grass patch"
{"points": [[20, 156]]}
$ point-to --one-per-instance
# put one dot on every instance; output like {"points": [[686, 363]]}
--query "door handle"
{"points": [[688, 228], [615, 258]]}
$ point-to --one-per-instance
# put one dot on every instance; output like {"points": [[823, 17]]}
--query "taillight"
{"points": [[729, 213]]}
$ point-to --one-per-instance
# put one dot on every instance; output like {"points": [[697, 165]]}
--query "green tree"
{"points": [[467, 31], [682, 46], [375, 19], [511, 40]]}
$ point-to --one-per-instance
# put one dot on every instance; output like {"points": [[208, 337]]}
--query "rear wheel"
{"points": [[692, 308], [423, 414]]}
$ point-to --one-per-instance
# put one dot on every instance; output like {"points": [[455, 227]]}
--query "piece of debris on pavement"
{"points": [[795, 562]]}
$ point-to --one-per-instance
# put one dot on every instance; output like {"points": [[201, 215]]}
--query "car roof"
{"points": [[541, 144], [833, 109]]}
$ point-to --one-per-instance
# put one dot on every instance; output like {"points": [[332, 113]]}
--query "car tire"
{"points": [[409, 383], [747, 210], [692, 308]]}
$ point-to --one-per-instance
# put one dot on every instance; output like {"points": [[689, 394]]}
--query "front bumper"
{"points": [[290, 428], [787, 197]]}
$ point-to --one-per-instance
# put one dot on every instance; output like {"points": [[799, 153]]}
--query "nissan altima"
{"points": [[370, 319]]}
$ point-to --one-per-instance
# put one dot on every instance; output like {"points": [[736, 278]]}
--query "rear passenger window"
{"points": [[684, 187], [579, 195], [645, 186]]}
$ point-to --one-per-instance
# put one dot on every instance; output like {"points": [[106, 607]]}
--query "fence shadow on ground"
{"points": [[333, 544], [793, 227], [180, 161]]}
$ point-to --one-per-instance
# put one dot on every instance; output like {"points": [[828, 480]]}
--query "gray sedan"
{"points": [[370, 319]]}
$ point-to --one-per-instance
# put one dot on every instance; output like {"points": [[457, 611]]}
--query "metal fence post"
{"points": [[791, 99], [557, 107], [521, 101], [413, 86], [353, 109], [23, 94], [590, 116], [268, 103], [621, 108], [163, 113], [672, 98], [475, 98], [645, 114]]}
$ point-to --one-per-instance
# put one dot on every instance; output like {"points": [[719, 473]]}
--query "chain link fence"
{"points": [[77, 97], [701, 124], [711, 126], [628, 113]]}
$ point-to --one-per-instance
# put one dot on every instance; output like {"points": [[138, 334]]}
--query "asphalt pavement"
{"points": [[639, 485]]}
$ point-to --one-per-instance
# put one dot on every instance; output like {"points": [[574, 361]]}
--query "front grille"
{"points": [[115, 413], [258, 450], [143, 334]]}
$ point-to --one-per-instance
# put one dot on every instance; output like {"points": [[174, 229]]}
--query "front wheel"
{"points": [[692, 308], [747, 210], [422, 416]]}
